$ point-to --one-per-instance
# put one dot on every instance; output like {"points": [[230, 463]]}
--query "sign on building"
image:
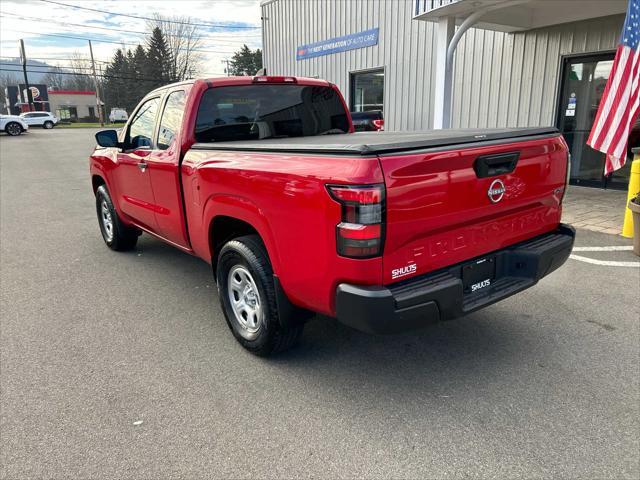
{"points": [[368, 38]]}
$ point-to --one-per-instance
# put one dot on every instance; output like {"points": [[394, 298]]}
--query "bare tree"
{"points": [[55, 78], [80, 67], [183, 41]]}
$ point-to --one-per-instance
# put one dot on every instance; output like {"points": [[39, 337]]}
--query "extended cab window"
{"points": [[252, 112], [140, 130], [171, 119]]}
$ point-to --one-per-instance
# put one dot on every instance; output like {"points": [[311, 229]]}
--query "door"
{"points": [[583, 82], [32, 119], [164, 164], [135, 195]]}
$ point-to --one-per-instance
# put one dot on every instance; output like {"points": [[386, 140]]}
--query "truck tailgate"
{"points": [[450, 204]]}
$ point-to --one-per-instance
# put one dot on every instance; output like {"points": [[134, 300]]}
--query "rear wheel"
{"points": [[115, 234], [48, 124], [13, 128], [248, 297]]}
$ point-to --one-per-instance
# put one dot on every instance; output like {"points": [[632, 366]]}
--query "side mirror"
{"points": [[107, 138]]}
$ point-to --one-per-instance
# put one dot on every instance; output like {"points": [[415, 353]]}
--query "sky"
{"points": [[32, 19]]}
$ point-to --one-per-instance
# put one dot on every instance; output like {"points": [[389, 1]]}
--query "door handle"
{"points": [[142, 166], [493, 165]]}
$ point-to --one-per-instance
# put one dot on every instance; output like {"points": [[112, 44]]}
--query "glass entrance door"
{"points": [[583, 83]]}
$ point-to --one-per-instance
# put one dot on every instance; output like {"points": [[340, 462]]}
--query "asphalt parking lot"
{"points": [[93, 342]]}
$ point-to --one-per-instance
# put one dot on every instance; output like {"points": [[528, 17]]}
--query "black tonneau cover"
{"points": [[374, 143]]}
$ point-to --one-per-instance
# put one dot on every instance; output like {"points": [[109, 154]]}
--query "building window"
{"points": [[367, 91], [65, 112], [92, 112]]}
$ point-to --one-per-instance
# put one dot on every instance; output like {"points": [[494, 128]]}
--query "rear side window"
{"points": [[171, 119], [141, 126], [253, 112]]}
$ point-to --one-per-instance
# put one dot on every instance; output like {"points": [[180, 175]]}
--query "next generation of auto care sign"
{"points": [[367, 38]]}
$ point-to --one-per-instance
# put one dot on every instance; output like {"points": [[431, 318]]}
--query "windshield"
{"points": [[253, 112]]}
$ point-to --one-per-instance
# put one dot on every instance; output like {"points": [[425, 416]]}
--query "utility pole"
{"points": [[226, 70], [23, 59], [95, 79]]}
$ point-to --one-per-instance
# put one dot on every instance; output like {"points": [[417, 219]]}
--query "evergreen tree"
{"points": [[114, 85], [132, 89], [246, 62], [138, 65], [159, 63], [132, 74]]}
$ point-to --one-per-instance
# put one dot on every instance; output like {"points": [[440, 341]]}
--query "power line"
{"points": [[150, 18], [103, 75], [113, 29], [83, 74], [50, 67], [105, 41], [52, 58]]}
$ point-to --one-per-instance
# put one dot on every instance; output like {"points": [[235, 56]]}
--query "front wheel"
{"points": [[115, 234], [48, 124], [13, 128], [248, 297]]}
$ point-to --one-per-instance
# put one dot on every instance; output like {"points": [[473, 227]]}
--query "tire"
{"points": [[115, 234], [13, 128], [244, 268], [47, 125]]}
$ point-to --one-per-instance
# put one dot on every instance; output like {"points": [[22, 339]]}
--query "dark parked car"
{"points": [[371, 121]]}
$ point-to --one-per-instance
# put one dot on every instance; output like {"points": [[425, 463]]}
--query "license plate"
{"points": [[479, 274]]}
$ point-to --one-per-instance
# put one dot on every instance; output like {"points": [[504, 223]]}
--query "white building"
{"points": [[523, 62]]}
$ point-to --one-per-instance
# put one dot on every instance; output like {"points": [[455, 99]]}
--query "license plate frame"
{"points": [[478, 275]]}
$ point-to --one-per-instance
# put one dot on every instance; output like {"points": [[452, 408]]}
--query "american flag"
{"points": [[621, 98]]}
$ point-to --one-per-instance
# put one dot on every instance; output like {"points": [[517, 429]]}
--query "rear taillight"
{"points": [[379, 124], [360, 234]]}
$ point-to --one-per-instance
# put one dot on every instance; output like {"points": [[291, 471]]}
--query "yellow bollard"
{"points": [[634, 189]]}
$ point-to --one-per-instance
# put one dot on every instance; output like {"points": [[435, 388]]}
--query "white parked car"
{"points": [[13, 125], [118, 115], [40, 119]]}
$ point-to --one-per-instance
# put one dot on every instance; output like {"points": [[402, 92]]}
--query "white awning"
{"points": [[518, 15]]}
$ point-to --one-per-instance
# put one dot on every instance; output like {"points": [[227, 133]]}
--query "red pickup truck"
{"points": [[263, 178]]}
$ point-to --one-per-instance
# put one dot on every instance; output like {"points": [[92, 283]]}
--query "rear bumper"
{"points": [[440, 295]]}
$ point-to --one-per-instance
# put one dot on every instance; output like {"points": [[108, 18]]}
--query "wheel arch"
{"points": [[224, 216], [223, 228], [97, 181]]}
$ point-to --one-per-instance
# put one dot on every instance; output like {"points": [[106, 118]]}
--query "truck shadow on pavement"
{"points": [[476, 349]]}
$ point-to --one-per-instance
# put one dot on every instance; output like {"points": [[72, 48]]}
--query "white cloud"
{"points": [[219, 44]]}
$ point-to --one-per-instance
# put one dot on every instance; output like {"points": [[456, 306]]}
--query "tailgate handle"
{"points": [[498, 164]]}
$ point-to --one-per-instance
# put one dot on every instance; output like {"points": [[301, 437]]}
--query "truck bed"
{"points": [[375, 143]]}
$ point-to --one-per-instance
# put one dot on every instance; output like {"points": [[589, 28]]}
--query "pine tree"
{"points": [[132, 90], [138, 65], [158, 63], [246, 62], [114, 85], [132, 74]]}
